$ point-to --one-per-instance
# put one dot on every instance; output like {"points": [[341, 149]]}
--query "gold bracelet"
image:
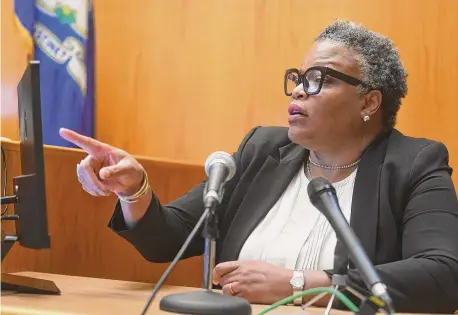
{"points": [[139, 194]]}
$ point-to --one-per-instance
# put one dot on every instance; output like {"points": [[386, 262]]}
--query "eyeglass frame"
{"points": [[324, 72]]}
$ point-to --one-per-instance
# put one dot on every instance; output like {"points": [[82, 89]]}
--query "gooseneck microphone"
{"points": [[323, 196], [220, 167]]}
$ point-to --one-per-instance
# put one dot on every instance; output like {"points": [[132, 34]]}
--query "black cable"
{"points": [[175, 260], [6, 176]]}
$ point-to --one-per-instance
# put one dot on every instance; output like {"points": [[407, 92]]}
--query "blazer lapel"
{"points": [[266, 188], [365, 204]]}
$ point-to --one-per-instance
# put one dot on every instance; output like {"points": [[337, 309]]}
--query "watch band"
{"points": [[299, 276]]}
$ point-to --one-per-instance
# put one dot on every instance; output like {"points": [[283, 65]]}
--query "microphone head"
{"points": [[318, 186], [224, 158]]}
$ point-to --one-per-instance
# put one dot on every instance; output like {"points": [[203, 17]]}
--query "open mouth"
{"points": [[296, 110]]}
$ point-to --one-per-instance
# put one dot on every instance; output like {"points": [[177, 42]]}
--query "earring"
{"points": [[366, 118]]}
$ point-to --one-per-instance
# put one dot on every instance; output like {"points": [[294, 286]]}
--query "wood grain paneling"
{"points": [[13, 61], [180, 79], [81, 242], [193, 77]]}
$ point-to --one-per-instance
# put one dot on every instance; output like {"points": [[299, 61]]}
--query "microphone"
{"points": [[220, 167], [323, 196]]}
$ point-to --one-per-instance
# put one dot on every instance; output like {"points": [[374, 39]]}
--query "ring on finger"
{"points": [[232, 290]]}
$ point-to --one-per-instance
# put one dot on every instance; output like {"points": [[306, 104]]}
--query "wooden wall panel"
{"points": [[180, 79], [82, 244], [194, 77], [13, 61]]}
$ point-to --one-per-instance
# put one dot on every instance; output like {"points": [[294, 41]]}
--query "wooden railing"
{"points": [[81, 242]]}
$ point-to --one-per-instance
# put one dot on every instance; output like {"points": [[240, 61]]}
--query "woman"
{"points": [[396, 191]]}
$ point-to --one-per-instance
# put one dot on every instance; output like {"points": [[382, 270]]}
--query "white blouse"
{"points": [[294, 234]]}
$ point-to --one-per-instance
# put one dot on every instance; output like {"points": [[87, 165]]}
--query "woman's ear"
{"points": [[373, 100]]}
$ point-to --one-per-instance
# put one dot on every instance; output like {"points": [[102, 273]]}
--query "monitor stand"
{"points": [[18, 283], [22, 284]]}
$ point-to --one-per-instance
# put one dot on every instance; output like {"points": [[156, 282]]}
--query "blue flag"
{"points": [[60, 34]]}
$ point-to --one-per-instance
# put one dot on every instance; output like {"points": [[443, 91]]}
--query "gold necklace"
{"points": [[333, 167], [308, 170]]}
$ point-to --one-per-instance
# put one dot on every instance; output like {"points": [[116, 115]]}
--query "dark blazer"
{"points": [[404, 211]]}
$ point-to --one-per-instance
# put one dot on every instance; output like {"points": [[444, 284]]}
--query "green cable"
{"points": [[338, 294]]}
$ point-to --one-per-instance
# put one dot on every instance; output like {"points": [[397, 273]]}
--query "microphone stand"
{"points": [[340, 282], [210, 233], [207, 301], [337, 281]]}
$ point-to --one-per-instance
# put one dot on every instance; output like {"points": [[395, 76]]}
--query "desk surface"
{"points": [[82, 295]]}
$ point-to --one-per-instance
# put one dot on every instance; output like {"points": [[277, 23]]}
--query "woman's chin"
{"points": [[297, 134]]}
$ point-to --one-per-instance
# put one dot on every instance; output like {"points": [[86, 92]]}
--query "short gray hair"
{"points": [[378, 60]]}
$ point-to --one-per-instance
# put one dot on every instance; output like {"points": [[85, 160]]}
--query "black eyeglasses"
{"points": [[313, 79]]}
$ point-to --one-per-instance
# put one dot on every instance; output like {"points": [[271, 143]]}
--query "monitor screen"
{"points": [[32, 225]]}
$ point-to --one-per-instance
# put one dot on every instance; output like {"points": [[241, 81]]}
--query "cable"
{"points": [[349, 304], [175, 260], [5, 174]]}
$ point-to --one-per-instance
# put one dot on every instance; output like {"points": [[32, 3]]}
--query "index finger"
{"points": [[223, 268], [91, 146]]}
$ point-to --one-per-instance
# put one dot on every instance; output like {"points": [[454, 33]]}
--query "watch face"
{"points": [[297, 282]]}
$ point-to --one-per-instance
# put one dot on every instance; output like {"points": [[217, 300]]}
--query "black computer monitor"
{"points": [[29, 197], [32, 226]]}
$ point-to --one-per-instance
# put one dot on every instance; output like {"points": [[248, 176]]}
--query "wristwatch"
{"points": [[298, 283]]}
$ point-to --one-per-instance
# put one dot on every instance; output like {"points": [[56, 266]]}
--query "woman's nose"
{"points": [[299, 92]]}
